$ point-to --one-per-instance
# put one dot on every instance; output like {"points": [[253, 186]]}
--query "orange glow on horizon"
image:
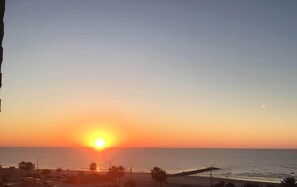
{"points": [[99, 140], [97, 135]]}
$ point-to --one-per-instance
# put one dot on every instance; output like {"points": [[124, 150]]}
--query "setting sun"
{"points": [[99, 136], [100, 143]]}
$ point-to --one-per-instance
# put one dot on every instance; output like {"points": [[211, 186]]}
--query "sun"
{"points": [[99, 138], [100, 143]]}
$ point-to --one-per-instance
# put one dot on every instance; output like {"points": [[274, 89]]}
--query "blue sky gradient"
{"points": [[188, 64]]}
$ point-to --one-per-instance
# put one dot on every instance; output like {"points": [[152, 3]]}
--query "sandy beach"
{"points": [[141, 180]]}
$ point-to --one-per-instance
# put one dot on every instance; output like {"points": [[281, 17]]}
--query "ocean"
{"points": [[248, 164]]}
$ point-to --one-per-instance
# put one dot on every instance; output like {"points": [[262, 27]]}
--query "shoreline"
{"points": [[104, 170], [144, 179]]}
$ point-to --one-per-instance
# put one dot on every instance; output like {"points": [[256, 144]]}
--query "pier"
{"points": [[192, 172]]}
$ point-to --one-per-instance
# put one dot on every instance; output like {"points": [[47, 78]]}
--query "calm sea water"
{"points": [[251, 164]]}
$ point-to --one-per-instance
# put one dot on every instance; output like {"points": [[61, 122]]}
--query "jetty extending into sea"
{"points": [[193, 172]]}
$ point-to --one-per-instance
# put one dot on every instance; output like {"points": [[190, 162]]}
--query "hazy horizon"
{"points": [[118, 147]]}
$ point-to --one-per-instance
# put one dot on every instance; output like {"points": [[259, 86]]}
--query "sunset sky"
{"points": [[150, 73]]}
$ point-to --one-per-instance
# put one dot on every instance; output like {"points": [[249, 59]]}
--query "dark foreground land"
{"points": [[18, 178]]}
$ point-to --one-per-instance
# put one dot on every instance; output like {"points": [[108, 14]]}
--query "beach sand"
{"points": [[141, 180]]}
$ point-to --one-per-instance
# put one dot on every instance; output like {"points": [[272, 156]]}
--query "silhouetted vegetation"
{"points": [[59, 171], [27, 166], [116, 173], [93, 167], [289, 182], [158, 175]]}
